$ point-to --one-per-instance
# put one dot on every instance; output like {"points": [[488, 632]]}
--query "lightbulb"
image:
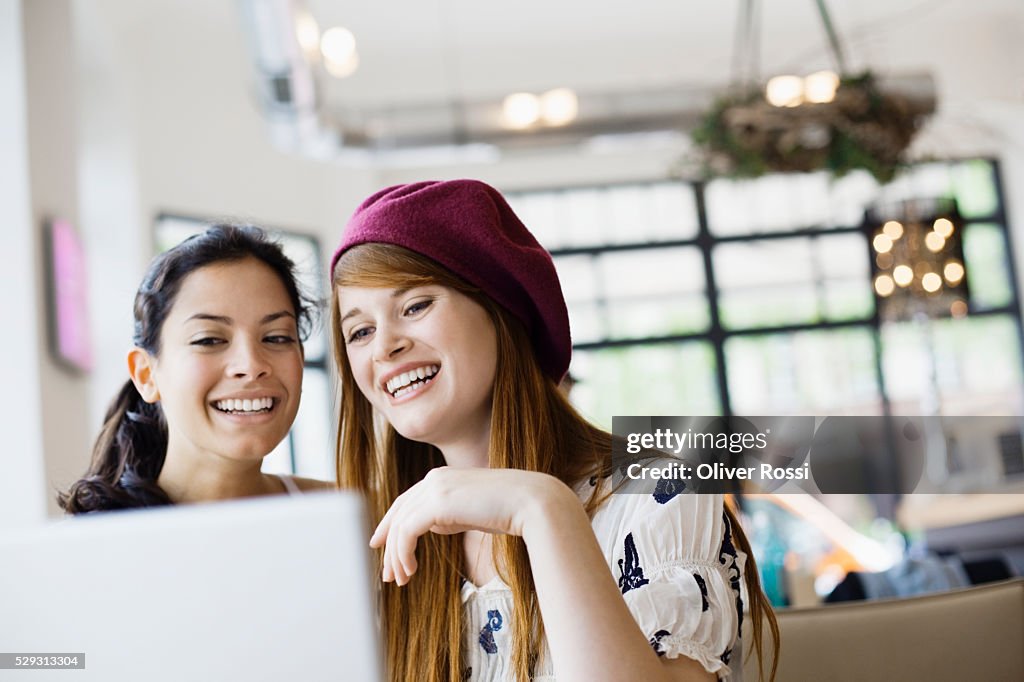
{"points": [[944, 227], [882, 243], [884, 285], [307, 33], [931, 282], [903, 275], [893, 230], [785, 91], [521, 110], [559, 106], [338, 46], [953, 271], [934, 241], [821, 87]]}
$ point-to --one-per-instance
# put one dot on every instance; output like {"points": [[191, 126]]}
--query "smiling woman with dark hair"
{"points": [[216, 376]]}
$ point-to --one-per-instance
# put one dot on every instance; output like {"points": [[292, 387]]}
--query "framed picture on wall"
{"points": [[68, 296]]}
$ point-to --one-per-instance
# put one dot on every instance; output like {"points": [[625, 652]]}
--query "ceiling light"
{"points": [[882, 243], [520, 110], [884, 285], [953, 271], [934, 241], [559, 106], [903, 275], [307, 33], [931, 282], [785, 91], [893, 229], [821, 87], [944, 227], [338, 47]]}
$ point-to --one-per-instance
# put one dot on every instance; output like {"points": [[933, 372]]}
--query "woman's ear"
{"points": [[140, 367]]}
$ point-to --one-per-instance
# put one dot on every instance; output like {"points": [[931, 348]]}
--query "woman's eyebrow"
{"points": [[394, 294], [277, 316], [224, 319]]}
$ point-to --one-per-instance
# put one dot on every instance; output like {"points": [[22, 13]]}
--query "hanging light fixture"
{"points": [[918, 247], [827, 120]]}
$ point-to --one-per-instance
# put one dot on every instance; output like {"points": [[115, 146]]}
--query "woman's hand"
{"points": [[453, 500]]}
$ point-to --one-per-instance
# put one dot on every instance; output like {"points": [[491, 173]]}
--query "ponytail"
{"points": [[126, 459]]}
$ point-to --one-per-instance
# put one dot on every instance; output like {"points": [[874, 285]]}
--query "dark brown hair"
{"points": [[130, 450]]}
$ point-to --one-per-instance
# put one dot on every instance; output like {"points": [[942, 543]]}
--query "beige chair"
{"points": [[975, 633]]}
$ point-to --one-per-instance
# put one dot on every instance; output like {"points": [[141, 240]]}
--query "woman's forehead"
{"points": [[232, 289]]}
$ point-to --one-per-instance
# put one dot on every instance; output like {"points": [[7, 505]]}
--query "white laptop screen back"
{"points": [[264, 589]]}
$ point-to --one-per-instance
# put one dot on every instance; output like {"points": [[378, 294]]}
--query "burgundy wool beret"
{"points": [[469, 228]]}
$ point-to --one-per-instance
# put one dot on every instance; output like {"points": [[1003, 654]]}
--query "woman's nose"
{"points": [[248, 360], [389, 343]]}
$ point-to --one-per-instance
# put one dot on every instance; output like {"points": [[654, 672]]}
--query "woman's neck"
{"points": [[189, 478], [469, 450]]}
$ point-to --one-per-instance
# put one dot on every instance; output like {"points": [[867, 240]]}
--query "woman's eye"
{"points": [[207, 341], [359, 334], [418, 307], [280, 339]]}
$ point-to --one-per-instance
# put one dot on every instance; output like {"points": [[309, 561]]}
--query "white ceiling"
{"points": [[434, 50]]}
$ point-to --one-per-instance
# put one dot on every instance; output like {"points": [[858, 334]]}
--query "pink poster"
{"points": [[70, 294]]}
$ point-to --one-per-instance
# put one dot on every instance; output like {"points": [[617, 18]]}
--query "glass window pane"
{"points": [[977, 362], [974, 186], [630, 274], [651, 213], [777, 203], [658, 316], [842, 261], [539, 212], [819, 372], [848, 300], [311, 433], [765, 283], [577, 276], [669, 379], [767, 306], [988, 275], [587, 322], [654, 292]]}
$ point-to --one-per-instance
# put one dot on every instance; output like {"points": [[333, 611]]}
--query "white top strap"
{"points": [[289, 485]]}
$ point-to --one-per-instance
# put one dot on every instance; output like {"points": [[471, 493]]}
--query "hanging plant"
{"points": [[863, 127]]}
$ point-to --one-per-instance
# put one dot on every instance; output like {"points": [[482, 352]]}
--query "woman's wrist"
{"points": [[555, 507]]}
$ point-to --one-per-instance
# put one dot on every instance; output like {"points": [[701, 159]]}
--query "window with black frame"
{"points": [[756, 297], [307, 450]]}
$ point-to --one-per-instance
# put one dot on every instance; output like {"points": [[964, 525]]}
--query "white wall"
{"points": [[21, 486], [168, 123]]}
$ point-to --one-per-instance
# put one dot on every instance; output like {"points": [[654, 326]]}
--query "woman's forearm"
{"points": [[591, 632]]}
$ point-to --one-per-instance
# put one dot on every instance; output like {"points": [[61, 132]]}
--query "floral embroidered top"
{"points": [[679, 572]]}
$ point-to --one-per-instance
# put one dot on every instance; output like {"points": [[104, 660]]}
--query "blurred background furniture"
{"points": [[975, 633]]}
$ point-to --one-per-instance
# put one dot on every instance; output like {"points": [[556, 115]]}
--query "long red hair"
{"points": [[533, 427]]}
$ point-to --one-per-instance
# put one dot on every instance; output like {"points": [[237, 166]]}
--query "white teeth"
{"points": [[244, 405], [396, 384]]}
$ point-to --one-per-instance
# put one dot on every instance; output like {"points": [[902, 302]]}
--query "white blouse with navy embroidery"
{"points": [[679, 572]]}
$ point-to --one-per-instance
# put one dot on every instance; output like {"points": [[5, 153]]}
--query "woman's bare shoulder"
{"points": [[313, 483]]}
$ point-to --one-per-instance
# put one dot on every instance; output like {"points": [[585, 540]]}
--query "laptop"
{"points": [[276, 588]]}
